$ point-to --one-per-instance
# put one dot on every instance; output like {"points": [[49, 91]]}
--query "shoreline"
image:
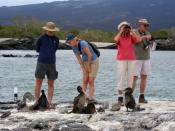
{"points": [[157, 116], [30, 44]]}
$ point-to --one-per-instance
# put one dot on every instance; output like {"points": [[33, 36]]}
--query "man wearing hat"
{"points": [[88, 61], [142, 51], [46, 46]]}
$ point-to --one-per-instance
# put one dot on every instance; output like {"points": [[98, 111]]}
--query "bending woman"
{"points": [[88, 61]]}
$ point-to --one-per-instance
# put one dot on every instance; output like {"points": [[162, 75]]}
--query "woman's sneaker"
{"points": [[92, 100], [142, 99]]}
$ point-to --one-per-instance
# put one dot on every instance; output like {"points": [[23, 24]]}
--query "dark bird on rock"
{"points": [[42, 102], [79, 104], [79, 101], [129, 99]]}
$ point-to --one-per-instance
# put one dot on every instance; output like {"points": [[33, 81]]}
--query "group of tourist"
{"points": [[133, 59]]}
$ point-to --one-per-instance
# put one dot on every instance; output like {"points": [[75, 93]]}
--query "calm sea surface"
{"points": [[19, 72]]}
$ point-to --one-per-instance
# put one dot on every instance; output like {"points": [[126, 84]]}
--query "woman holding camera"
{"points": [[125, 40]]}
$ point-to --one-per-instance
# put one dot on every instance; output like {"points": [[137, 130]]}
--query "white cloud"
{"points": [[23, 2]]}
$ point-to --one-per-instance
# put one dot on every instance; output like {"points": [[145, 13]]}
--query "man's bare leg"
{"points": [[143, 83], [50, 90], [38, 88], [91, 87], [135, 78], [85, 83], [142, 89]]}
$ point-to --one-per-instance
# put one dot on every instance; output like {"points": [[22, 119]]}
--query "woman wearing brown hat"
{"points": [[47, 45]]}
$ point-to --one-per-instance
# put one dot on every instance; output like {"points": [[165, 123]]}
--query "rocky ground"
{"points": [[158, 116], [165, 44]]}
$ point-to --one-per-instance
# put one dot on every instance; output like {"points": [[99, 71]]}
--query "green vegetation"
{"points": [[21, 28], [32, 28], [94, 35], [164, 33]]}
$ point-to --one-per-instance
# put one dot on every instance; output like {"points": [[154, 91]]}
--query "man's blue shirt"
{"points": [[46, 47]]}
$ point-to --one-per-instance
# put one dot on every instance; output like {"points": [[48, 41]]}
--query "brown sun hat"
{"points": [[50, 26]]}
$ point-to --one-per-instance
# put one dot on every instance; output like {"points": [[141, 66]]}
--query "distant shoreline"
{"points": [[30, 44]]}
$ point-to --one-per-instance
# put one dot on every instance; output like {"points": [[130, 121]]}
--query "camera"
{"points": [[146, 45]]}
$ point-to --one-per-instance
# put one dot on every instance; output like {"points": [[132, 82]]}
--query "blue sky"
{"points": [[23, 2]]}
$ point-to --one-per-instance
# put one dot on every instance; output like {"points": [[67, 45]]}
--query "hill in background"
{"points": [[96, 14]]}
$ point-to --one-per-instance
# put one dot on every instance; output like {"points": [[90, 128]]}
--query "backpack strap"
{"points": [[79, 47], [97, 52]]}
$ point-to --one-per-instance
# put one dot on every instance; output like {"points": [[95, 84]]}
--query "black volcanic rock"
{"points": [[165, 44], [30, 44], [4, 130], [24, 44], [63, 46], [23, 129], [6, 114], [10, 55], [30, 56], [18, 44], [38, 125]]}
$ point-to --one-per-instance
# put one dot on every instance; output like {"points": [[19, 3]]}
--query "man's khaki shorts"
{"points": [[142, 67], [93, 68]]}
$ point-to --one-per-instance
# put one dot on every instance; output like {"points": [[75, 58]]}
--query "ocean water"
{"points": [[19, 72]]}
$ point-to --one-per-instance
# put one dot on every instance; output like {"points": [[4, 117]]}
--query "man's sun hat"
{"points": [[50, 26], [144, 21], [123, 23], [70, 37]]}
